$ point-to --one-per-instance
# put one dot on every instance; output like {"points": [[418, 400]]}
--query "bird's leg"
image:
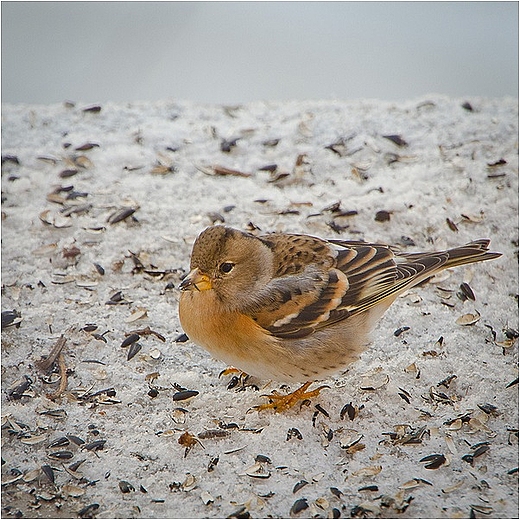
{"points": [[239, 379], [280, 403]]}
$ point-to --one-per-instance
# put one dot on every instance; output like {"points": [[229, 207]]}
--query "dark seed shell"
{"points": [[212, 463], [468, 458], [349, 410], [184, 394], [133, 350], [75, 439], [299, 506], [125, 486], [88, 511], [61, 455], [131, 338], [396, 139], [400, 330], [120, 215], [299, 485], [481, 450], [94, 109], [70, 172], [59, 443], [452, 225], [382, 216], [467, 291], [488, 408], [9, 318], [369, 488], [95, 445], [49, 472], [434, 461], [86, 146], [336, 492]]}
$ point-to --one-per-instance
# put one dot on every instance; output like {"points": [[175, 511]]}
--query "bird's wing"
{"points": [[318, 283]]}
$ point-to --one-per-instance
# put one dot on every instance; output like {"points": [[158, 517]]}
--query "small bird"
{"points": [[294, 307]]}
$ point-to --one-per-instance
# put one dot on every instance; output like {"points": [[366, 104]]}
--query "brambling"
{"points": [[291, 307]]}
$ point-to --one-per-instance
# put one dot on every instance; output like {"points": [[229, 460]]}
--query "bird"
{"points": [[295, 307]]}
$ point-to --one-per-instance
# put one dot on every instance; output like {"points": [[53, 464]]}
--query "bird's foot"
{"points": [[240, 379], [280, 403]]}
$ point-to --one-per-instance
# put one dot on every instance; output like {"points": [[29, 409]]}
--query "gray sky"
{"points": [[233, 52]]}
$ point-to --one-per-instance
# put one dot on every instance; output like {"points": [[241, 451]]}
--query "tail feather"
{"points": [[476, 251]]}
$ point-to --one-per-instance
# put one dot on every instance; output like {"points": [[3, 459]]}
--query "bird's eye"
{"points": [[226, 267]]}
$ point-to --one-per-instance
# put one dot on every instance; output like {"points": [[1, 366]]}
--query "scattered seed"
{"points": [[125, 486], [241, 512], [222, 171], [374, 381], [400, 330], [213, 434], [382, 216], [213, 463], [10, 318], [300, 505], [369, 488], [184, 394], [86, 146], [59, 443], [95, 445], [48, 472], [446, 381], [467, 106], [434, 461], [133, 350], [257, 471], [206, 498], [396, 139], [467, 291], [299, 485], [61, 455], [488, 408], [121, 215], [88, 511], [349, 410], [181, 338], [485, 510], [403, 394], [468, 319], [368, 471], [294, 432], [336, 492], [18, 390], [78, 441], [131, 338]]}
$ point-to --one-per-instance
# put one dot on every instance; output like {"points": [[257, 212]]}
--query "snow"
{"points": [[458, 164]]}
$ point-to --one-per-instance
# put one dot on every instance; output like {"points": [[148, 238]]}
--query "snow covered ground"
{"points": [[99, 212]]}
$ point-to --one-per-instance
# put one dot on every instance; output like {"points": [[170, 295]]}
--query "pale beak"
{"points": [[196, 281]]}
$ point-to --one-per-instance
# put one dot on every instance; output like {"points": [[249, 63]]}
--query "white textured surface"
{"points": [[442, 173]]}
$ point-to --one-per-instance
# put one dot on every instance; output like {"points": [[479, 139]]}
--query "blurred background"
{"points": [[235, 52]]}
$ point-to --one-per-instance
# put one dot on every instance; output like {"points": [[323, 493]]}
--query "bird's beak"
{"points": [[196, 281]]}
